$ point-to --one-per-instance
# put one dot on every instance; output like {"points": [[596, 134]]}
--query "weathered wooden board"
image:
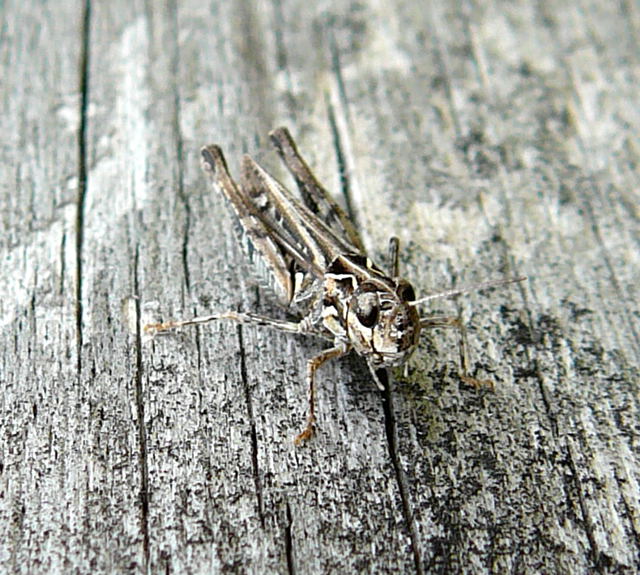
{"points": [[494, 138]]}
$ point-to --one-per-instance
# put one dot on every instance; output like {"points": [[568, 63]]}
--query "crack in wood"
{"points": [[82, 173], [288, 540], [341, 160], [401, 480], [252, 427], [140, 417]]}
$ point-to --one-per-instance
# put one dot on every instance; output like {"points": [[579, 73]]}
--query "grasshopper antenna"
{"points": [[476, 287]]}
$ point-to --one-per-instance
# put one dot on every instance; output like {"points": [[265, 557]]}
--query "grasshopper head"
{"points": [[382, 326]]}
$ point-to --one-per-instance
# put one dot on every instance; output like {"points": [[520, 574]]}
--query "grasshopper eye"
{"points": [[406, 292], [367, 309]]}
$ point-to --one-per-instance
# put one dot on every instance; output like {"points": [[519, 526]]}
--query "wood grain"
{"points": [[494, 139]]}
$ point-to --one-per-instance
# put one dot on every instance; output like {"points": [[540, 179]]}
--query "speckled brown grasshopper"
{"points": [[320, 270]]}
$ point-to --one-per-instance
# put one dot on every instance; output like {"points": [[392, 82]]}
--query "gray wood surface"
{"points": [[495, 138]]}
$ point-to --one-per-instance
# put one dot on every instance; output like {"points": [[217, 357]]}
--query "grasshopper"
{"points": [[319, 269]]}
